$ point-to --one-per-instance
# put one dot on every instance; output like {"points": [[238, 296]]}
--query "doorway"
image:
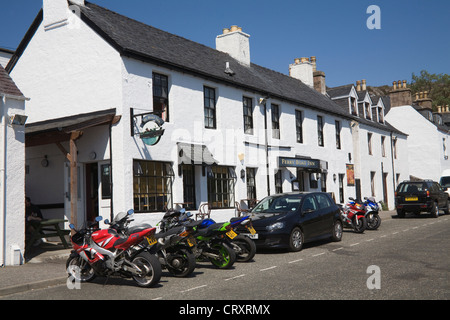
{"points": [[92, 187]]}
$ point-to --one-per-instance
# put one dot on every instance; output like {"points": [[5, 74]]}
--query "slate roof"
{"points": [[138, 40], [7, 85]]}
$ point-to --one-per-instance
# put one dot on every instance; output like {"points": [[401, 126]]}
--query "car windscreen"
{"points": [[282, 204], [412, 187], [445, 182]]}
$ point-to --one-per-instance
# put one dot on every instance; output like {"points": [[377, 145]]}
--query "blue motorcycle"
{"points": [[372, 213]]}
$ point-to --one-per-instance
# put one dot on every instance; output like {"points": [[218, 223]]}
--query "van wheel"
{"points": [[434, 210]]}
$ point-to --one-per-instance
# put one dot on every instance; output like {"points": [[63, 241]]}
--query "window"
{"points": [[369, 143], [220, 187], [380, 115], [367, 111], [353, 107], [275, 121], [210, 107], [394, 147], [161, 96], [374, 114], [320, 131], [338, 135], [251, 183], [372, 183], [106, 181], [189, 187], [299, 125], [152, 186], [341, 188], [323, 201], [278, 182], [248, 115], [309, 204], [383, 147]]}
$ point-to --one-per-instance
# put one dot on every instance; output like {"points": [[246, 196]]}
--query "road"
{"points": [[405, 259]]}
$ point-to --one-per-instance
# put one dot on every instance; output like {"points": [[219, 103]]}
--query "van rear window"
{"points": [[445, 182], [412, 187]]}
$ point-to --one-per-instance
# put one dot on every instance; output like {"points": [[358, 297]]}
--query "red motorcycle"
{"points": [[107, 252], [353, 214]]}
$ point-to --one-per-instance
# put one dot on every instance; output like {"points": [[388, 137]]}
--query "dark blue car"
{"points": [[289, 220]]}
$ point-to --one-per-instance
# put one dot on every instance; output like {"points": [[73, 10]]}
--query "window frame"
{"points": [[210, 112], [163, 98], [247, 104]]}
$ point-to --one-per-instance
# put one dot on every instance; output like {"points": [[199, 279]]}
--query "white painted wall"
{"points": [[12, 169], [425, 144]]}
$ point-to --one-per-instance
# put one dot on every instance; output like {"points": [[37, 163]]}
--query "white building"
{"points": [[428, 140], [12, 171], [5, 56], [233, 130]]}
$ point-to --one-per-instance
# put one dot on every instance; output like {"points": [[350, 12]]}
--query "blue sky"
{"points": [[414, 34]]}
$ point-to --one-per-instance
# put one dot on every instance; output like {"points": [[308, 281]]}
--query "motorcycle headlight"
{"points": [[275, 226]]}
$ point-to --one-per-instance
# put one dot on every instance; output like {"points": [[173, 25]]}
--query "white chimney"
{"points": [[303, 70], [236, 43], [57, 12]]}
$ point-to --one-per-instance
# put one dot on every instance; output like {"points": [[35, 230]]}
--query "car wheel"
{"points": [[337, 231], [434, 210], [296, 240]]}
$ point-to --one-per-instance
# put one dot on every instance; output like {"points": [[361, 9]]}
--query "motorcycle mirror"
{"points": [[72, 226], [189, 214], [130, 212], [98, 219], [106, 221], [183, 210]]}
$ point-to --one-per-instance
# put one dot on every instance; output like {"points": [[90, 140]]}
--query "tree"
{"points": [[437, 85]]}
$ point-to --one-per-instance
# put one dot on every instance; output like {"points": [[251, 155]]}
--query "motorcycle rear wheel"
{"points": [[151, 268], [374, 222], [181, 263], [79, 269], [246, 248], [226, 254], [359, 225]]}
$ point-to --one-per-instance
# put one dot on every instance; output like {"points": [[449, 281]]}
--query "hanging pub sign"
{"points": [[151, 129]]}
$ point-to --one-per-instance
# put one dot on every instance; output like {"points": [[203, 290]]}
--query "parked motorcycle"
{"points": [[240, 233], [211, 245], [372, 213], [107, 252], [353, 216]]}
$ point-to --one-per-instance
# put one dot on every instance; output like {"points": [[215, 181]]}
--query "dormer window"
{"points": [[429, 115], [367, 111], [353, 106], [374, 114], [380, 115]]}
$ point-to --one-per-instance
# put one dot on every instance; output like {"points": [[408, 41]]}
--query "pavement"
{"points": [[45, 267]]}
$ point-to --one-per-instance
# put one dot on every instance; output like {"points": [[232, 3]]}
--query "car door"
{"points": [[326, 213], [310, 217], [442, 195]]}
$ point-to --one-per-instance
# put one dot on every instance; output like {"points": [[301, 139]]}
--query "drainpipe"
{"points": [[3, 182]]}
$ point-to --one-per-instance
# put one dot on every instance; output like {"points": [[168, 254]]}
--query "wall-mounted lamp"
{"points": [[44, 162]]}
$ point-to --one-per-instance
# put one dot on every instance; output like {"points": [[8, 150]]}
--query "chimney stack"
{"points": [[236, 43], [423, 100], [318, 78], [302, 70], [400, 94], [364, 86]]}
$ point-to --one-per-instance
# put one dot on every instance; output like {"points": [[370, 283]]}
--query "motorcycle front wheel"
{"points": [[79, 269], [151, 270]]}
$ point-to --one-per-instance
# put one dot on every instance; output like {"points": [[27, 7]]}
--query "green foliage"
{"points": [[438, 86]]}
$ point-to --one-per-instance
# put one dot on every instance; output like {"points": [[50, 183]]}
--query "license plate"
{"points": [[231, 234], [191, 241], [151, 240], [251, 236], [411, 199], [252, 230]]}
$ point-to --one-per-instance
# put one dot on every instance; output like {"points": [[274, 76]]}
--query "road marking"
{"points": [[354, 244], [405, 230], [337, 249], [159, 298], [416, 228], [242, 275], [319, 254], [266, 269], [368, 240], [296, 261], [384, 236], [395, 232], [199, 287]]}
